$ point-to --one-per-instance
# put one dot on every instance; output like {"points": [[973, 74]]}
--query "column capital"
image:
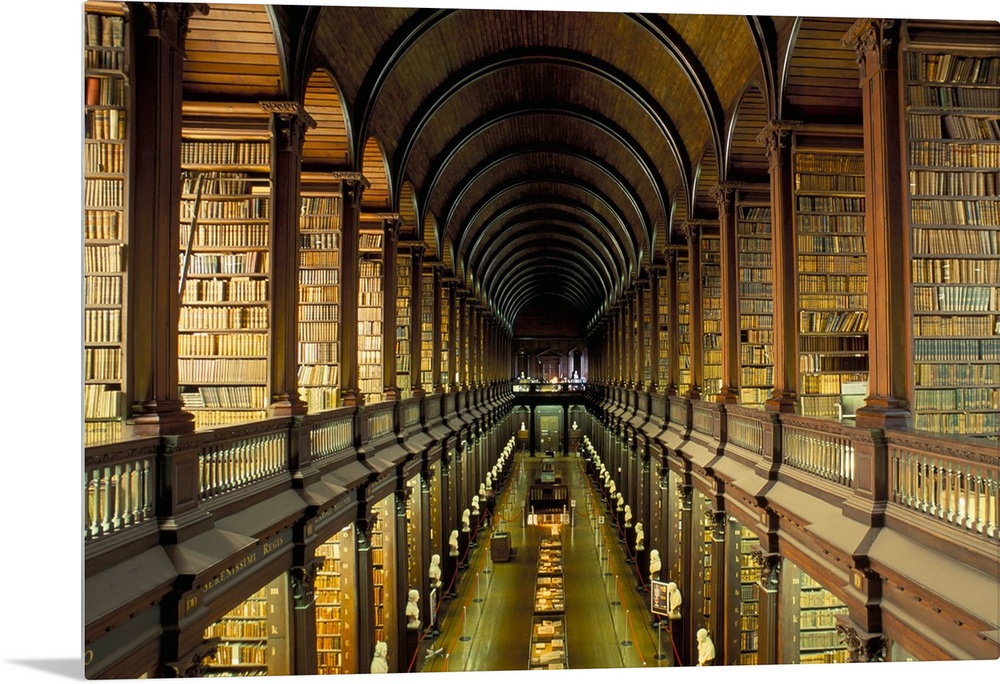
{"points": [[723, 192], [162, 17], [774, 136], [874, 41], [862, 646]]}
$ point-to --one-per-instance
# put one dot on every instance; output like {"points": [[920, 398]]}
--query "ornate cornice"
{"points": [[723, 192], [870, 648]]}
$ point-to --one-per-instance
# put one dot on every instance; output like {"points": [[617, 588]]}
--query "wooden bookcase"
{"points": [[335, 606], [319, 296], [705, 552], [443, 301], [427, 300], [225, 236], [105, 218], [755, 278], [832, 268], [683, 325], [379, 584], [663, 320], [404, 306], [749, 598], [818, 610], [244, 649], [371, 279], [952, 105], [711, 309], [646, 362]]}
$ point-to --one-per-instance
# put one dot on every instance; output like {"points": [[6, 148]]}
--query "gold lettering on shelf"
{"points": [[232, 571], [273, 545]]}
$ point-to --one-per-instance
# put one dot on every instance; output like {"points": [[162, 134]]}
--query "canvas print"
{"points": [[485, 340]]}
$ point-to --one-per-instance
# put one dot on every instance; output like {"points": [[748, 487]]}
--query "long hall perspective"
{"points": [[455, 341]]}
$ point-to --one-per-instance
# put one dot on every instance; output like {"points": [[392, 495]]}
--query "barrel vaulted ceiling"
{"points": [[541, 156]]}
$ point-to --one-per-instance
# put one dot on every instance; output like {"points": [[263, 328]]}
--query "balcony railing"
{"points": [[233, 461], [119, 486], [822, 448]]}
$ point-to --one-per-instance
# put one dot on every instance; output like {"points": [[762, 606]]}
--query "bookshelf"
{"points": [[414, 544], [646, 362], [427, 299], [370, 293], [832, 276], [379, 584], [334, 607], [818, 610], [224, 260], [952, 105], [444, 301], [244, 648], [749, 599], [663, 320], [706, 562], [683, 325], [755, 291], [711, 303], [404, 306], [319, 298], [105, 218]]}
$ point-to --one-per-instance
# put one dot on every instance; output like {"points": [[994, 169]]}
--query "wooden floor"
{"points": [[487, 626]]}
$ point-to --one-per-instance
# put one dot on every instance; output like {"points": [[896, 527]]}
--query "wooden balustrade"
{"points": [[380, 422], [818, 447], [745, 429], [703, 419], [332, 435], [231, 462], [119, 487], [959, 485]]}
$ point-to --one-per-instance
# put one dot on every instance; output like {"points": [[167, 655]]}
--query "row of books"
{"points": [[962, 422], [369, 241], [828, 384], [253, 208], [213, 370], [831, 223], [831, 204], [225, 397], [820, 162], [833, 322], [102, 290], [320, 313], [967, 399], [99, 402], [815, 283], [103, 59], [832, 263], [327, 241], [833, 301], [957, 349], [241, 263], [949, 97], [102, 364], [223, 318], [321, 206], [319, 398], [833, 183], [225, 153], [216, 290], [819, 406], [956, 298], [103, 258], [826, 244], [984, 271], [824, 363], [102, 326], [953, 154], [969, 183], [756, 377], [757, 331], [228, 344], [105, 30], [757, 218], [102, 224], [948, 373], [105, 90], [316, 294], [958, 241], [237, 235], [952, 68], [104, 124], [103, 192], [103, 157]]}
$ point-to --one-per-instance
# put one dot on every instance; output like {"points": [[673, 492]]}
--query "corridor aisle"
{"points": [[487, 626]]}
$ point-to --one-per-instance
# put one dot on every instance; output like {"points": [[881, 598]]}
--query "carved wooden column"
{"points": [[461, 307], [876, 42], [641, 316], [288, 126], [693, 230], [631, 336], [774, 137], [153, 301], [729, 259], [303, 590], [353, 187], [453, 337], [364, 591], [390, 240], [768, 617], [401, 588]]}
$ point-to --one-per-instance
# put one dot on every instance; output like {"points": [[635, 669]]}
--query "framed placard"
{"points": [[659, 600]]}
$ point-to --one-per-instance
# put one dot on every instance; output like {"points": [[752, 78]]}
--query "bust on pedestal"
{"points": [[706, 649], [412, 610]]}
